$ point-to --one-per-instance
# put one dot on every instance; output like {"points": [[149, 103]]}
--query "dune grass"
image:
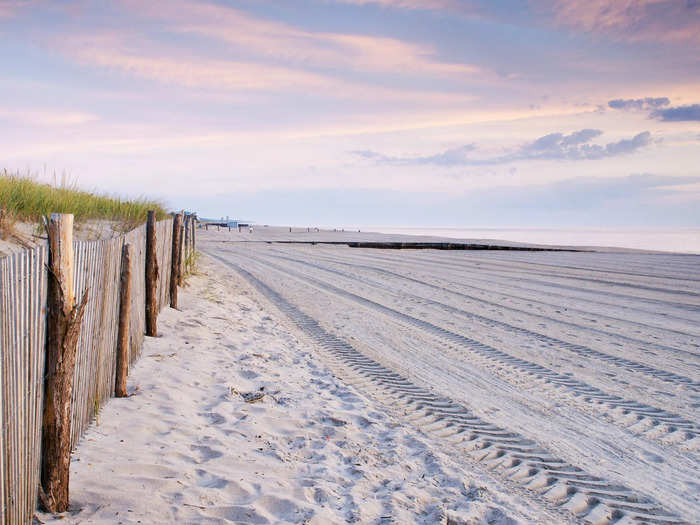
{"points": [[23, 198]]}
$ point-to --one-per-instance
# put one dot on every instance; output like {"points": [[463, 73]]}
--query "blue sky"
{"points": [[395, 112]]}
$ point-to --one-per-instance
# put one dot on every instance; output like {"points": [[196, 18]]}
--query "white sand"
{"points": [[594, 357], [409, 387], [185, 448]]}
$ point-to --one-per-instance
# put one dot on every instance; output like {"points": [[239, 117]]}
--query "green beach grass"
{"points": [[24, 198]]}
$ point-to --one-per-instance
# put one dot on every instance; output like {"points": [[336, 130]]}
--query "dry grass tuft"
{"points": [[23, 198], [7, 224]]}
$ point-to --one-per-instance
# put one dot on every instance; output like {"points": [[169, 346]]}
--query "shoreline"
{"points": [[308, 235]]}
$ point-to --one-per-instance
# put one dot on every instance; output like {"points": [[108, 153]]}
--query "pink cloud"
{"points": [[298, 47], [632, 20], [407, 4], [9, 8], [46, 118], [137, 57]]}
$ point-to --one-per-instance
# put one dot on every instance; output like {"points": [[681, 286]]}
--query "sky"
{"points": [[454, 113]]}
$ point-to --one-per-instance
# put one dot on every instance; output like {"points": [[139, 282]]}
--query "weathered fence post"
{"points": [[180, 253], [188, 221], [123, 345], [64, 317], [175, 260], [151, 277], [194, 228]]}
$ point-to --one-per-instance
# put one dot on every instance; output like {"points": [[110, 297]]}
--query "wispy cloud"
{"points": [[407, 4], [297, 47], [658, 109], [678, 113], [9, 8], [452, 157], [554, 146], [48, 118], [131, 55], [142, 59], [633, 20], [639, 103]]}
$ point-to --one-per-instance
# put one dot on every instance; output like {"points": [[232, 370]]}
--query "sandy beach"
{"points": [[401, 386]]}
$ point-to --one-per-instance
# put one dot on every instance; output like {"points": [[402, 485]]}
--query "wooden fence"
{"points": [[23, 294]]}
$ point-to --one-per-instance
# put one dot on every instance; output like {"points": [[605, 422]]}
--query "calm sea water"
{"points": [[683, 240]]}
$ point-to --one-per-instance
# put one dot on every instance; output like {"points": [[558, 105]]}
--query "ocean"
{"points": [[680, 240]]}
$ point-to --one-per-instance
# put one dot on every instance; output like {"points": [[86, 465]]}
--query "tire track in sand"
{"points": [[518, 459], [626, 364], [662, 422]]}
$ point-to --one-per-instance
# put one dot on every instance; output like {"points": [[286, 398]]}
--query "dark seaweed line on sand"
{"points": [[419, 245]]}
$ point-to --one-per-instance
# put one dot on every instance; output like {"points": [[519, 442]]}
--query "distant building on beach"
{"points": [[226, 222]]}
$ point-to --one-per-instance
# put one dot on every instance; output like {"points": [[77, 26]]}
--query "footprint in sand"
{"points": [[154, 471], [333, 421], [284, 509], [205, 453], [650, 456], [248, 374], [214, 418], [362, 422], [210, 481], [237, 514], [320, 496]]}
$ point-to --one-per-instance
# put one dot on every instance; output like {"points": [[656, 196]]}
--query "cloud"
{"points": [[451, 157], [146, 59], [554, 146], [9, 8], [639, 103], [406, 4], [47, 118], [292, 46], [678, 114], [632, 20], [557, 146], [625, 146], [187, 70], [658, 109]]}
